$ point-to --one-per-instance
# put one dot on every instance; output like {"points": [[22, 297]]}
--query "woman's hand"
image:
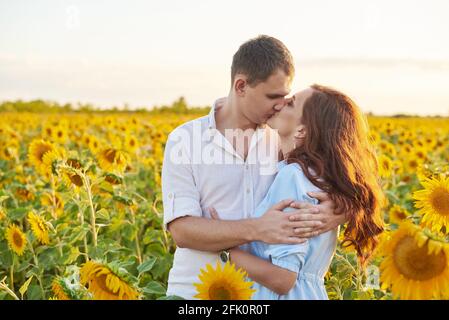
{"points": [[213, 213]]}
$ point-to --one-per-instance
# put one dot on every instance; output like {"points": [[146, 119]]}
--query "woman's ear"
{"points": [[300, 132]]}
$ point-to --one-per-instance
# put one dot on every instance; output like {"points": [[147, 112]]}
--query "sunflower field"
{"points": [[81, 211]]}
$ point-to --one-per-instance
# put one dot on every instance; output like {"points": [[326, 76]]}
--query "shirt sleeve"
{"points": [[180, 195], [290, 183]]}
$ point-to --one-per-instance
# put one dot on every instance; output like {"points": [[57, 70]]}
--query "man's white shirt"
{"points": [[201, 169]]}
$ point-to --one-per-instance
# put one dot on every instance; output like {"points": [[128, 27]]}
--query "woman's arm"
{"points": [[275, 278]]}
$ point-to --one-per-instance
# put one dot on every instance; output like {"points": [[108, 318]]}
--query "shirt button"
{"points": [[246, 167], [247, 190], [170, 195]]}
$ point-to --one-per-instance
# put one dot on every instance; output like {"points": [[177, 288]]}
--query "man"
{"points": [[220, 160]]}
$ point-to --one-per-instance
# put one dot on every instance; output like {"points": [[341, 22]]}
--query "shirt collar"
{"points": [[212, 124], [211, 115]]}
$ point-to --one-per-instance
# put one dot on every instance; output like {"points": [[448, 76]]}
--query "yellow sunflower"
{"points": [[433, 202], [16, 239], [47, 131], [424, 173], [51, 157], [94, 144], [131, 144], [36, 152], [105, 284], [39, 227], [398, 167], [411, 164], [60, 134], [47, 200], [397, 214], [58, 288], [225, 283], [70, 177], [24, 193], [427, 171], [385, 166], [383, 239], [406, 150], [416, 264], [421, 154], [8, 152], [111, 160], [113, 179]]}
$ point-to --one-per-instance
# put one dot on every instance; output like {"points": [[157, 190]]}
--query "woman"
{"points": [[325, 147]]}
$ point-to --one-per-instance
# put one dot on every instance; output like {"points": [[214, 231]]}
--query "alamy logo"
{"points": [[196, 146]]}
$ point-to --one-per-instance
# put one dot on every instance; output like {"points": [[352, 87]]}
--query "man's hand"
{"points": [[276, 227], [328, 215]]}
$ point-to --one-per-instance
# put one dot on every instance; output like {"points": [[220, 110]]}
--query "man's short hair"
{"points": [[260, 57]]}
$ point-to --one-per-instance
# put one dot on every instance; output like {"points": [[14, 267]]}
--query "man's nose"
{"points": [[278, 107]]}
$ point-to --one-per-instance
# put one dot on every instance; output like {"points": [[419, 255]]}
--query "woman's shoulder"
{"points": [[293, 172]]}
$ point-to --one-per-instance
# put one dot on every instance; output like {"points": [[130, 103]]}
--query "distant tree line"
{"points": [[178, 107], [42, 106]]}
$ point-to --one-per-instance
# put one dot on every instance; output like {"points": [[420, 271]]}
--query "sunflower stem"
{"points": [[86, 249], [92, 210], [4, 287], [81, 217], [59, 246], [53, 197], [11, 272], [166, 243], [36, 262], [139, 255]]}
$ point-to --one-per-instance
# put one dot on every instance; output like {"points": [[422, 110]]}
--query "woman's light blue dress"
{"points": [[311, 259]]}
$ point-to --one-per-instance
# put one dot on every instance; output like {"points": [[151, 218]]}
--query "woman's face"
{"points": [[288, 121]]}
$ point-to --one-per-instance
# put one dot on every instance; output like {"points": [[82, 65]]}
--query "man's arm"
{"points": [[214, 235], [183, 213]]}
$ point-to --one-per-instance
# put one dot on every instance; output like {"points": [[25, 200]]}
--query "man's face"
{"points": [[262, 101]]}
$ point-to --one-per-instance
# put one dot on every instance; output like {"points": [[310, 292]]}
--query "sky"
{"points": [[389, 56]]}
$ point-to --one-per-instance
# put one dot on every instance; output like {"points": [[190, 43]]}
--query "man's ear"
{"points": [[240, 85]]}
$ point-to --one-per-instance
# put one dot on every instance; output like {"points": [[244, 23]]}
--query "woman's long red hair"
{"points": [[338, 150]]}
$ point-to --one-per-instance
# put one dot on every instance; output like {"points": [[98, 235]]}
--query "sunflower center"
{"points": [[440, 201], [400, 215], [101, 282], [413, 164], [40, 153], [76, 180], [41, 226], [17, 238], [112, 180], [110, 155], [219, 291], [415, 262]]}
